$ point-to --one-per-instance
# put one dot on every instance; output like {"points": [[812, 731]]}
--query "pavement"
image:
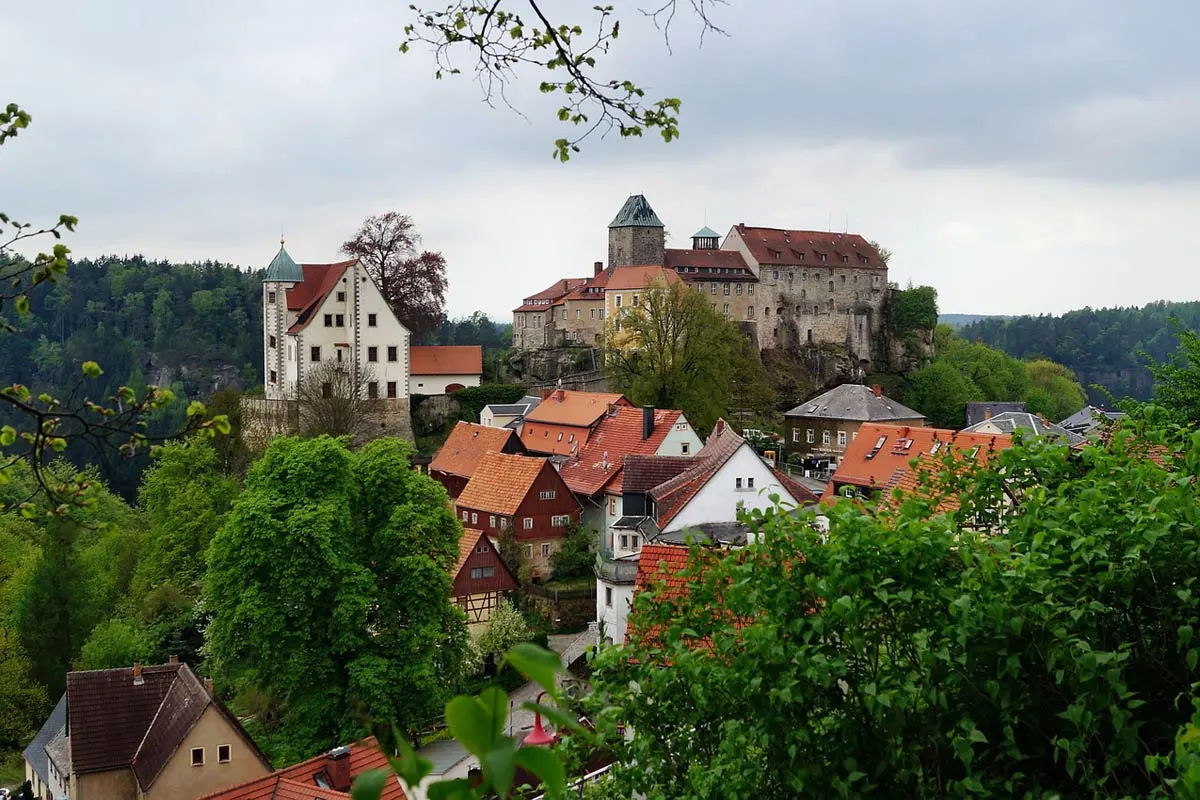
{"points": [[520, 721]]}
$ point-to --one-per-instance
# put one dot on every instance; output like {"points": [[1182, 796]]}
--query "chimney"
{"points": [[138, 680], [173, 659], [337, 764], [647, 422], [599, 267], [546, 392], [876, 390], [987, 412], [208, 687]]}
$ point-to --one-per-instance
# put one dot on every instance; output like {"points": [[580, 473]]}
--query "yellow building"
{"points": [[625, 291]]}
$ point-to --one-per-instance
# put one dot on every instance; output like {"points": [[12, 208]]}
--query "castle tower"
{"points": [[281, 275], [636, 236], [705, 239]]}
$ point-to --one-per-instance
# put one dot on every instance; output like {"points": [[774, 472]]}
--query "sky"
{"points": [[1021, 157]]}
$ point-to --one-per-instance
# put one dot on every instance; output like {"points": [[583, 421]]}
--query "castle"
{"points": [[786, 288]]}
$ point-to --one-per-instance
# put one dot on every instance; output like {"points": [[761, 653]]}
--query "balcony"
{"points": [[617, 570]]}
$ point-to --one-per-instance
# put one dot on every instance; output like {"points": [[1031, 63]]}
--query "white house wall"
{"points": [[437, 384], [681, 433], [718, 500], [613, 619]]}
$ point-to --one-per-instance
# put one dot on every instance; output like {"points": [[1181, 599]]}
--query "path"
{"points": [[568, 645]]}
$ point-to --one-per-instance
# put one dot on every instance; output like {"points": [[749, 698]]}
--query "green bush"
{"points": [[914, 308]]}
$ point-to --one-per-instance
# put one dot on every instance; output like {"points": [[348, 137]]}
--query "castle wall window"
{"points": [[327, 390], [274, 377], [831, 286], [727, 289], [843, 280], [329, 320], [270, 298], [393, 353], [714, 287], [371, 320], [271, 342], [749, 312], [810, 437], [340, 320], [373, 390], [739, 290], [750, 290], [341, 297], [222, 754], [391, 389], [372, 354], [593, 313], [617, 301], [824, 437], [315, 353]]}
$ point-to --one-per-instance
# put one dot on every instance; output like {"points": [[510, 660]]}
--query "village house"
{"points": [[508, 415], [878, 459], [522, 497], [978, 411], [152, 733], [562, 422], [464, 448], [821, 429], [1009, 422], [47, 762], [672, 498], [480, 578], [1089, 420], [328, 776], [787, 288], [445, 369]]}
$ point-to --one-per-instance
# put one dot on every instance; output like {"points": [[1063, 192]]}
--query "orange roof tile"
{"points": [[640, 277], [446, 360], [600, 462], [771, 246], [559, 440], [466, 445], [566, 407], [556, 290], [500, 483], [879, 450], [307, 296], [298, 782]]}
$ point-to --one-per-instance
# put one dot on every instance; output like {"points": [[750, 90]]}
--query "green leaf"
{"points": [[544, 763], [495, 701], [91, 369], [22, 304], [458, 789], [411, 768], [498, 765], [471, 724], [536, 663], [8, 435], [369, 785]]}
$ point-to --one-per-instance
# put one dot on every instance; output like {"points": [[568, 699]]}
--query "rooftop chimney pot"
{"points": [[599, 267], [208, 686], [337, 764], [173, 659], [987, 412], [138, 680], [877, 390], [647, 422]]}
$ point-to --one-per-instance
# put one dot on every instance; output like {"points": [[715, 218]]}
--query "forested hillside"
{"points": [[193, 327], [1101, 346]]}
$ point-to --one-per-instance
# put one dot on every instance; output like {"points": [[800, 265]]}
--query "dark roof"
{"points": [[853, 402], [979, 411], [776, 246], [1011, 421], [643, 473], [35, 753], [643, 525], [1088, 418], [283, 268], [636, 213], [114, 722], [731, 534], [508, 409]]}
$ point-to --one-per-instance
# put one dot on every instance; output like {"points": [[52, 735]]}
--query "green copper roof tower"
{"points": [[636, 213], [283, 269]]}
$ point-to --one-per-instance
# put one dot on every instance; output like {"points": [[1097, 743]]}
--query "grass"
{"points": [[12, 769], [566, 584]]}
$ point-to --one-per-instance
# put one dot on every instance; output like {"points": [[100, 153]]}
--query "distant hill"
{"points": [[957, 321], [1103, 346]]}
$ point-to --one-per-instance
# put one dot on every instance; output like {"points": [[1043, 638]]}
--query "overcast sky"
{"points": [[1022, 156]]}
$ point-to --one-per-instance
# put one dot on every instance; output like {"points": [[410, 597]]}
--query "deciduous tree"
{"points": [[413, 281], [1177, 379], [337, 402], [1053, 390]]}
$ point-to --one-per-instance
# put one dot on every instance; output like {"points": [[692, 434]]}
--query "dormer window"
{"points": [[823, 258]]}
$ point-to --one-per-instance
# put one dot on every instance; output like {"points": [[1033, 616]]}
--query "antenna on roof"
{"points": [[847, 228], [830, 226]]}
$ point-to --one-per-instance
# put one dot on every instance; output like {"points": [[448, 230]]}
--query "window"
{"points": [[810, 437], [790, 276], [737, 483], [749, 312], [371, 320], [339, 355], [197, 756], [750, 289], [483, 548], [327, 390], [749, 483], [223, 754], [559, 439], [341, 297], [492, 521], [315, 353], [775, 274], [617, 301], [593, 313], [608, 596], [578, 313], [393, 353], [727, 310], [274, 377], [684, 448], [841, 438], [329, 320], [339, 320], [727, 289], [739, 290], [466, 516], [624, 541], [612, 506], [545, 549], [270, 298], [271, 342], [392, 390], [822, 258], [767, 311], [824, 437], [547, 495], [560, 521], [637, 300], [474, 518], [564, 314], [373, 390], [504, 523], [803, 293], [795, 435], [845, 260], [831, 286], [482, 572], [528, 523], [372, 354], [529, 551], [714, 288], [633, 541], [700, 288]]}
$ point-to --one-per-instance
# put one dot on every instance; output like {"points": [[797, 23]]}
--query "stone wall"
{"points": [[263, 420], [563, 611], [635, 246], [839, 305]]}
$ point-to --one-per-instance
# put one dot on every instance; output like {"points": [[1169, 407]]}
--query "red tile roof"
{"points": [[446, 360], [501, 482], [731, 260], [555, 291], [662, 562], [771, 246], [467, 444], [600, 462], [868, 466], [299, 782], [308, 295], [640, 277], [566, 407], [671, 496], [559, 440]]}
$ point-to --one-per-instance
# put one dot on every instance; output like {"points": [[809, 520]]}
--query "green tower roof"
{"points": [[636, 213], [283, 269], [706, 233]]}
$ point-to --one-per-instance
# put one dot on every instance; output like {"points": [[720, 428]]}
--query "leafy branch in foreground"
{"points": [[39, 425], [505, 40]]}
